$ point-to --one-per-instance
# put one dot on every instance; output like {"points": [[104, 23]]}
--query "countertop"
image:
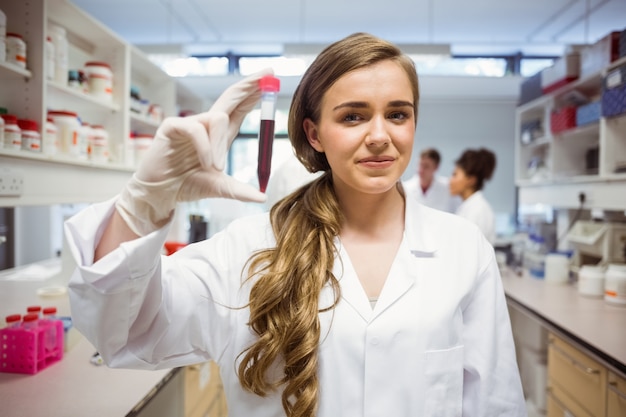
{"points": [[72, 387], [598, 326]]}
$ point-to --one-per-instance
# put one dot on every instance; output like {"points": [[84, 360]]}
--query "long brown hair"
{"points": [[284, 300]]}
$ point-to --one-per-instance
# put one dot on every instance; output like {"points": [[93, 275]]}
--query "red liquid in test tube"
{"points": [[270, 86]]}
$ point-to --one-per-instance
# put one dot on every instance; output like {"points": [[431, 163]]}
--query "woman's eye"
{"points": [[399, 115], [351, 118]]}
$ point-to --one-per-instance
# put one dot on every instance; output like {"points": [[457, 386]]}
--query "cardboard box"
{"points": [[597, 56], [564, 70]]}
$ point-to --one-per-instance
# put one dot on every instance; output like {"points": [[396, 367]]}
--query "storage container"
{"points": [[591, 281], [100, 80], [622, 43], [597, 56], [58, 36], [614, 92], [23, 349], [615, 284], [557, 268], [3, 33], [50, 138], [68, 130], [99, 144], [142, 143], [563, 119], [588, 113], [564, 70], [12, 132], [16, 49], [530, 89], [31, 138]]}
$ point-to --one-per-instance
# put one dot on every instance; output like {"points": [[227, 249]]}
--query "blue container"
{"points": [[588, 113]]}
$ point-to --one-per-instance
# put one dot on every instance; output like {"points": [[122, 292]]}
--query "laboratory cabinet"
{"points": [[54, 177], [564, 147], [616, 396], [576, 383]]}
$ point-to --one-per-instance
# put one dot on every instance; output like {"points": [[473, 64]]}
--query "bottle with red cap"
{"points": [[50, 337], [12, 132], [30, 321], [34, 310], [31, 138], [13, 320]]}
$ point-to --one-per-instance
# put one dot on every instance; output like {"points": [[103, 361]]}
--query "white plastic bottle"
{"points": [[68, 129], [16, 50], [12, 132], [615, 284], [50, 58], [58, 35], [3, 33]]}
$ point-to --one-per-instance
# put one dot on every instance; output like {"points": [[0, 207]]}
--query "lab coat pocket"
{"points": [[443, 373]]}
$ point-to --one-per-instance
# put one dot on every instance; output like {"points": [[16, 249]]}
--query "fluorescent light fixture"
{"points": [[432, 49]]}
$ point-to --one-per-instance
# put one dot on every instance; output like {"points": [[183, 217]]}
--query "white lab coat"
{"points": [[437, 343], [437, 196], [478, 210]]}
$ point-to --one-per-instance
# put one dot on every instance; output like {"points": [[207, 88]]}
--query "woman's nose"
{"points": [[378, 134]]}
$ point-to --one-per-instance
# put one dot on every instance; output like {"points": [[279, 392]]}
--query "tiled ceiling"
{"points": [[263, 26]]}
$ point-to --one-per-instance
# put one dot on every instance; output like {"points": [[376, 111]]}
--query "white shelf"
{"points": [[55, 179], [142, 122], [9, 70], [566, 154], [83, 98]]}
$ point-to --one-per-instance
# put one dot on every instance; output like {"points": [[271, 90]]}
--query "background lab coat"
{"points": [[437, 343], [437, 196], [478, 210]]}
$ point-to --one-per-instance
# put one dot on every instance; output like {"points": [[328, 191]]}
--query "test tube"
{"points": [[270, 86]]}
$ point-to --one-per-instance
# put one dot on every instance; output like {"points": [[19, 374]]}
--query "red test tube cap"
{"points": [[269, 83]]}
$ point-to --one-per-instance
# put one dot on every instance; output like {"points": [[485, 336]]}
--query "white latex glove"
{"points": [[187, 159]]}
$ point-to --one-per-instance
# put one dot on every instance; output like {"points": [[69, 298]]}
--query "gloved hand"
{"points": [[187, 159]]}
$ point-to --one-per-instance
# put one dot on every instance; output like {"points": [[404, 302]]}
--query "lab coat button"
{"points": [[374, 341]]}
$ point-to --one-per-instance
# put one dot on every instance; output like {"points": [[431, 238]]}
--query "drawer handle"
{"points": [[613, 387], [577, 364]]}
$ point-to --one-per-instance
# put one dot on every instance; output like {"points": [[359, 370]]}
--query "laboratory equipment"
{"points": [[598, 242], [270, 86]]}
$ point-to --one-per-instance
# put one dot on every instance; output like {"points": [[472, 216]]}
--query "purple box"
{"points": [[614, 92], [622, 43], [530, 89]]}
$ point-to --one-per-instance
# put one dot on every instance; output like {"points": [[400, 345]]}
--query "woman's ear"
{"points": [[310, 129]]}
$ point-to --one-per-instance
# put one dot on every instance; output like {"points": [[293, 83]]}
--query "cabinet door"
{"points": [[616, 396], [581, 378], [560, 405]]}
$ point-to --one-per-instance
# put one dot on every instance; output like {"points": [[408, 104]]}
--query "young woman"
{"points": [[344, 300], [472, 169]]}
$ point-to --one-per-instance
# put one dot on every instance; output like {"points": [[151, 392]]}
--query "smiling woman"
{"points": [[347, 299]]}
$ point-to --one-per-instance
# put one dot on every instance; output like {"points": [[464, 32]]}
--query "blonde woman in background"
{"points": [[345, 300]]}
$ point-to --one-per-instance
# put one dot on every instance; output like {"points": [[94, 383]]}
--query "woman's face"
{"points": [[460, 183], [366, 128]]}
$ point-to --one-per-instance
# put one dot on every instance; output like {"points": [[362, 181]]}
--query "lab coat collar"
{"points": [[417, 243], [418, 229]]}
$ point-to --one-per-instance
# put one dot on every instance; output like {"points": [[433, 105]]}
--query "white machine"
{"points": [[598, 242]]}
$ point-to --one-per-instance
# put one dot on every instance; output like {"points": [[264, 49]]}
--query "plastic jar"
{"points": [[100, 145], [16, 50], [1, 133], [12, 132], [100, 80], [591, 281], [31, 138], [50, 58], [155, 112], [59, 40], [67, 131], [50, 140], [615, 284], [3, 34], [142, 143], [73, 80], [85, 136]]}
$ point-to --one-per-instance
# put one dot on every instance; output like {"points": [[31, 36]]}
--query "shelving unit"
{"points": [[28, 94], [553, 169]]}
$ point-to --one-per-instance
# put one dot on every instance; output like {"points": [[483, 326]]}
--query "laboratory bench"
{"points": [[75, 387]]}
